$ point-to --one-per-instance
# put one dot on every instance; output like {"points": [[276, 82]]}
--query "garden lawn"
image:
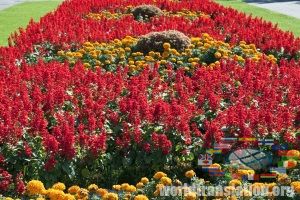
{"points": [[19, 15], [284, 22]]}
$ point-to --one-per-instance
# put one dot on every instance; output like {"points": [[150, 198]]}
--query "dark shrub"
{"points": [[154, 41]]}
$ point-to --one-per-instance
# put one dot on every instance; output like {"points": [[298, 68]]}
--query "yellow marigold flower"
{"points": [[8, 198], [159, 175], [295, 183], [92, 187], [235, 182], [159, 186], [78, 55], [166, 180], [190, 174], [195, 40], [59, 186], [124, 186], [218, 55], [207, 45], [140, 197], [68, 197], [101, 192], [243, 172], [166, 46], [165, 54], [55, 194], [194, 64], [296, 186], [173, 60], [177, 182], [82, 193], [131, 188], [74, 189], [145, 180], [215, 165], [60, 53], [40, 198], [190, 196], [35, 187], [156, 193], [127, 49], [87, 65], [173, 51], [283, 179], [297, 189], [69, 54], [110, 196], [179, 62], [140, 185]]}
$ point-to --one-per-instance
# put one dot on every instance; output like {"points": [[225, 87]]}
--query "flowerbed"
{"points": [[85, 99]]}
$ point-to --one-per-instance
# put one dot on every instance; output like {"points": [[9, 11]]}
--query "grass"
{"points": [[19, 15], [285, 22]]}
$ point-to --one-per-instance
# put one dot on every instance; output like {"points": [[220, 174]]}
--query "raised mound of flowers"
{"points": [[100, 95]]}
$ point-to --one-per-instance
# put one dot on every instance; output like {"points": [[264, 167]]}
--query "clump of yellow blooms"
{"points": [[215, 165], [59, 186], [190, 196], [190, 174], [110, 196], [235, 182], [93, 187], [35, 187], [101, 192], [74, 189], [54, 194], [283, 179], [159, 175], [144, 180], [296, 186], [82, 193], [105, 14], [160, 180], [204, 51], [166, 180], [117, 187], [140, 197], [244, 172], [139, 185]]}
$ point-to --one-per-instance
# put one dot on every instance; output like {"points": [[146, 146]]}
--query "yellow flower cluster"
{"points": [[125, 187], [36, 189], [56, 192], [203, 50], [192, 15], [244, 172], [296, 186], [190, 174], [159, 175], [106, 15]]}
